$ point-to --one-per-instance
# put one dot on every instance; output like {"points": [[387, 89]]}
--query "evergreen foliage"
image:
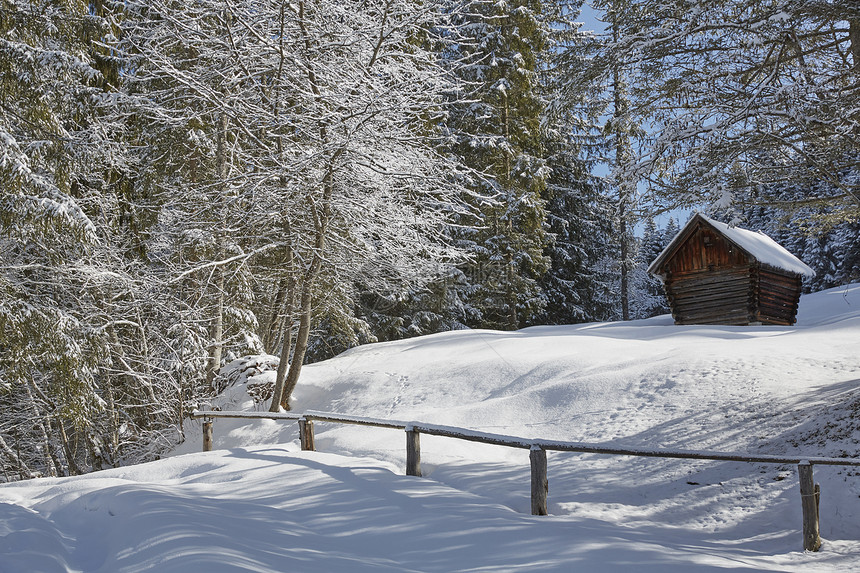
{"points": [[496, 129], [819, 234], [595, 81], [649, 298]]}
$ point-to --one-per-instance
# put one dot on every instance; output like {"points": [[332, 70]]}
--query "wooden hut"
{"points": [[717, 274]]}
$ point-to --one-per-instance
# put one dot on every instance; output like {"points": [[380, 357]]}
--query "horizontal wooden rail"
{"points": [[309, 415], [249, 415], [693, 455], [529, 443], [810, 492], [356, 420]]}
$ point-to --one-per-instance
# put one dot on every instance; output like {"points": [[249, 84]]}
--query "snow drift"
{"points": [[259, 504]]}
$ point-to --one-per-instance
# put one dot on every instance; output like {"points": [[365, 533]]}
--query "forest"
{"points": [[186, 183]]}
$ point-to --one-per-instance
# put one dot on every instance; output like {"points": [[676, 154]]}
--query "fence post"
{"points": [[540, 482], [413, 452], [207, 434], [809, 495], [306, 434]]}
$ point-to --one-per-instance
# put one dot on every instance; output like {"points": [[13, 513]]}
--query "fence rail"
{"points": [[809, 491]]}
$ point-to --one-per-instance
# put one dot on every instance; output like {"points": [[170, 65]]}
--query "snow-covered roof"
{"points": [[755, 243]]}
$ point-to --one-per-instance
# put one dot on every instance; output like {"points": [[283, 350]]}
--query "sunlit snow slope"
{"points": [[258, 504]]}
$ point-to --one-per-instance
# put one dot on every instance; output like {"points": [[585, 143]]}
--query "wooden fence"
{"points": [[809, 491]]}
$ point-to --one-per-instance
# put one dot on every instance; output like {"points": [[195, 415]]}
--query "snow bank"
{"points": [[261, 505]]}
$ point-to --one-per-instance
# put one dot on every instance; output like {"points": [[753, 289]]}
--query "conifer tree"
{"points": [[597, 81], [579, 211], [497, 131], [579, 222], [671, 230], [77, 378], [648, 296]]}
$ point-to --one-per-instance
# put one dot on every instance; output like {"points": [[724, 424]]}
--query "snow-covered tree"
{"points": [[187, 103], [597, 82], [579, 220], [579, 212], [743, 94], [807, 229], [647, 295], [78, 377], [316, 120], [496, 130]]}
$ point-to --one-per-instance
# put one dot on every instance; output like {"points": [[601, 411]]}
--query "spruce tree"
{"points": [[497, 131], [647, 293], [579, 210], [77, 375]]}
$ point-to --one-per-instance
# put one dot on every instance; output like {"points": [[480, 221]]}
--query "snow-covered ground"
{"points": [[257, 503]]}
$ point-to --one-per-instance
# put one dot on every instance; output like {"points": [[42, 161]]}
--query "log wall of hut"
{"points": [[778, 297], [711, 297], [708, 280]]}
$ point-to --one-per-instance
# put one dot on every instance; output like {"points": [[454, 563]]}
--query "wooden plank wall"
{"points": [[726, 296], [779, 295], [705, 250]]}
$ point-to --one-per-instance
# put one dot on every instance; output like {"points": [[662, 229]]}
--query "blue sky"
{"points": [[589, 16]]}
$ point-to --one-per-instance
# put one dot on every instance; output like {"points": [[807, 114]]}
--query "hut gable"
{"points": [[717, 274]]}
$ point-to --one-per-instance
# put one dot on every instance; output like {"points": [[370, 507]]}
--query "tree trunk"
{"points": [[278, 398], [24, 472], [147, 376], [274, 324], [510, 291], [623, 152], [47, 457], [67, 449], [321, 214], [216, 333], [511, 295], [305, 316], [216, 329], [118, 362], [625, 255], [321, 219], [70, 465]]}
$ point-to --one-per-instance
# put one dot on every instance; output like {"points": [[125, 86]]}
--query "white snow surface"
{"points": [[258, 503]]}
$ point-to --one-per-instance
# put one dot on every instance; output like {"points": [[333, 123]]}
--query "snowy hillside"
{"points": [[259, 504]]}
